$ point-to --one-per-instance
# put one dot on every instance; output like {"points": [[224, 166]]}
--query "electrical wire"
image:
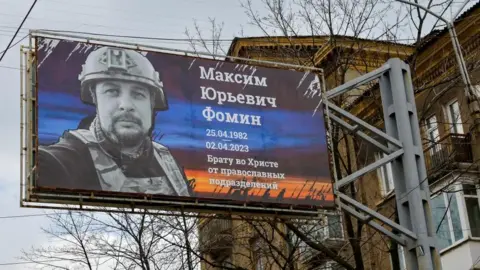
{"points": [[18, 29], [13, 45], [20, 263], [25, 216]]}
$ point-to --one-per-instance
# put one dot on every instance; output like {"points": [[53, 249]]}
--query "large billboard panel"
{"points": [[116, 122]]}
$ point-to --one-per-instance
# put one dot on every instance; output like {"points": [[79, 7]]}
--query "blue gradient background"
{"points": [[184, 126]]}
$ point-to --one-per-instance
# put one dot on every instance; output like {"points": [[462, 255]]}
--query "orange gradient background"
{"points": [[295, 187]]}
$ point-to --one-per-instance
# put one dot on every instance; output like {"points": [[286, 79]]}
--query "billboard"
{"points": [[113, 122]]}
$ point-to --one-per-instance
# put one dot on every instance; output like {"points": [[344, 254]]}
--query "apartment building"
{"points": [[450, 148]]}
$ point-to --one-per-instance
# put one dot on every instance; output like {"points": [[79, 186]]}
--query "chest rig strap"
{"points": [[112, 177]]}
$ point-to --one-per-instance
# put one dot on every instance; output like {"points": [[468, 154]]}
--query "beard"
{"points": [[127, 130]]}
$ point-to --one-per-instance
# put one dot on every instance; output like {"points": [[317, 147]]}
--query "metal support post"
{"points": [[410, 176], [404, 151]]}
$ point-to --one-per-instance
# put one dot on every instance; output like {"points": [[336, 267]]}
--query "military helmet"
{"points": [[121, 64]]}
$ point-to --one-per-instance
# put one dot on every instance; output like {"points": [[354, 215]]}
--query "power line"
{"points": [[12, 45], [18, 29], [135, 37], [19, 263], [9, 67], [24, 216]]}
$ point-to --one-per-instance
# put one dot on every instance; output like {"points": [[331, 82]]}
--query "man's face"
{"points": [[124, 110]]}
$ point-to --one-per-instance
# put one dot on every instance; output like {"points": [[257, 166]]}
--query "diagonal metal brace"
{"points": [[373, 224], [352, 84], [363, 124], [361, 134], [378, 216], [352, 177]]}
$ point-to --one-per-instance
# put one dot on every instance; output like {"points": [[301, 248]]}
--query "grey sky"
{"points": [[123, 17]]}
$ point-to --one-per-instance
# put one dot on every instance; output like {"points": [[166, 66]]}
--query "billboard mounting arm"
{"points": [[359, 133], [364, 124], [408, 165], [352, 177], [368, 220]]}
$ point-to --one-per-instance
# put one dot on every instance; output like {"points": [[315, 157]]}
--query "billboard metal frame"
{"points": [[97, 202]]}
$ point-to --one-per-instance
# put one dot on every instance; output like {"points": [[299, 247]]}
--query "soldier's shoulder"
{"points": [[66, 163], [159, 147], [69, 142]]}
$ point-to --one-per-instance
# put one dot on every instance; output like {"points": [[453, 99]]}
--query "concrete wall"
{"points": [[462, 257]]}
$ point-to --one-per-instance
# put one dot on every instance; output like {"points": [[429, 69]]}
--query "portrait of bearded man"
{"points": [[115, 152]]}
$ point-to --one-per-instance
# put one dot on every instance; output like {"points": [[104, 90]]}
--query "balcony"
{"points": [[216, 238], [447, 152], [330, 233]]}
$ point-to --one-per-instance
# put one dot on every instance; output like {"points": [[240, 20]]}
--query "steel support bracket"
{"points": [[404, 152]]}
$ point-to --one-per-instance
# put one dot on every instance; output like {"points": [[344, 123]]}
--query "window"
{"points": [[456, 214], [454, 117], [258, 256], [476, 88], [227, 262], [329, 227], [332, 265], [334, 228], [433, 135], [446, 219], [385, 176], [472, 203], [401, 258]]}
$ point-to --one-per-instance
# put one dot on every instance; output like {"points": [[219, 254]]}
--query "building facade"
{"points": [[450, 141]]}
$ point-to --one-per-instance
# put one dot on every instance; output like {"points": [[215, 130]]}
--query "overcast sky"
{"points": [[123, 17]]}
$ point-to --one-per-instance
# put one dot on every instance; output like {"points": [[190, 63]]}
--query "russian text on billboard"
{"points": [[114, 120]]}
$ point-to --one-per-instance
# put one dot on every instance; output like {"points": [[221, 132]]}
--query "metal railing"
{"points": [[216, 235], [450, 149]]}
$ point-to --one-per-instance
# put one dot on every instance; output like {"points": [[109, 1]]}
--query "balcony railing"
{"points": [[216, 236], [330, 233], [448, 150]]}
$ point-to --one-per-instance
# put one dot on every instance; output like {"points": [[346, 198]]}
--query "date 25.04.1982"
{"points": [[226, 134]]}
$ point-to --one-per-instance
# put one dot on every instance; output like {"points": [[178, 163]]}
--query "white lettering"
{"points": [[232, 118], [250, 99], [204, 75], [229, 172], [261, 163], [209, 114], [242, 184], [247, 79], [240, 98], [272, 101], [218, 76], [213, 75], [205, 91], [209, 93], [228, 76], [232, 98], [212, 170], [222, 97], [260, 100], [238, 78], [261, 82]]}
